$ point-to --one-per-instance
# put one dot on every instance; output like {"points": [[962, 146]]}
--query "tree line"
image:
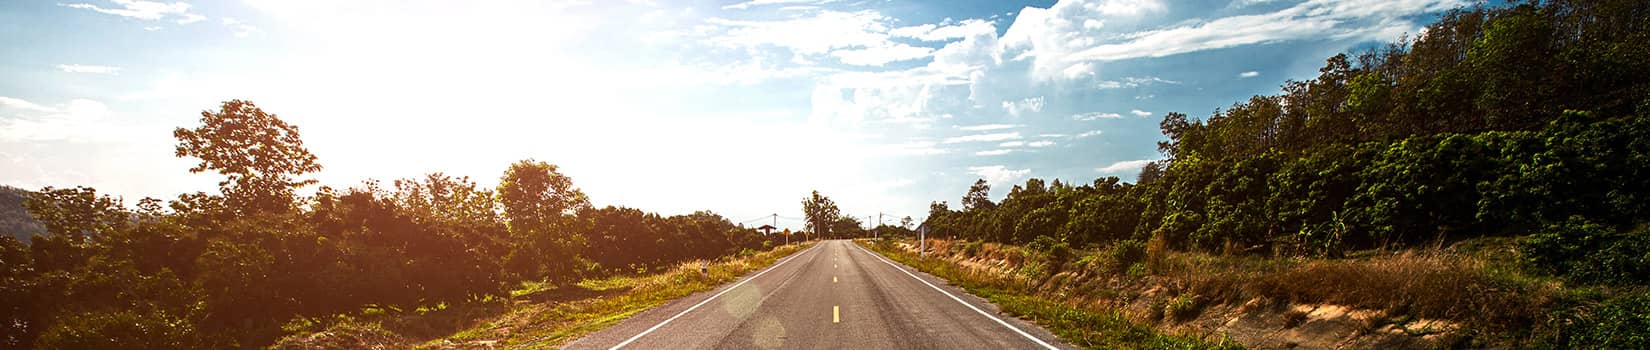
{"points": [[228, 269], [1494, 121]]}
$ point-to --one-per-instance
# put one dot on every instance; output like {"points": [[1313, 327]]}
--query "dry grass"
{"points": [[1426, 285], [1482, 293]]}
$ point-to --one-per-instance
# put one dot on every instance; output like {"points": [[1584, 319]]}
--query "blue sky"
{"points": [[740, 107]]}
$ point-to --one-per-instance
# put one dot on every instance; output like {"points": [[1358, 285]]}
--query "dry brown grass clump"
{"points": [[1427, 285]]}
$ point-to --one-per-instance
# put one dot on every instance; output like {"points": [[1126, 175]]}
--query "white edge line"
{"points": [[707, 300], [959, 300]]}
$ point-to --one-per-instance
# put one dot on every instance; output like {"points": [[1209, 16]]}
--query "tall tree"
{"points": [[259, 155], [539, 204], [821, 213], [978, 196]]}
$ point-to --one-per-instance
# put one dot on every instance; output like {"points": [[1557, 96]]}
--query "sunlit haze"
{"points": [[736, 107]]}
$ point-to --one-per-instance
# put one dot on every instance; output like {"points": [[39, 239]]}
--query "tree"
{"points": [[906, 222], [821, 212], [978, 197], [539, 204], [258, 154], [75, 218]]}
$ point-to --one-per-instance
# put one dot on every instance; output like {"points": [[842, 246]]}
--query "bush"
{"points": [[1055, 251], [119, 329], [1587, 252], [972, 249], [1617, 323], [1124, 254]]}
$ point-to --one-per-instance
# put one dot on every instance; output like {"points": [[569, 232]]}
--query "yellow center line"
{"points": [[833, 279], [836, 315]]}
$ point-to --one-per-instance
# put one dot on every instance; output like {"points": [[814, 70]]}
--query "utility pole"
{"points": [[922, 239], [878, 230]]}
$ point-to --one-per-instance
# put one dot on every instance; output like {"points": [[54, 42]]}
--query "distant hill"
{"points": [[14, 219]]}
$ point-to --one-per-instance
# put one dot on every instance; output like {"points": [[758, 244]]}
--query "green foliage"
{"points": [[1616, 323], [1587, 252], [822, 215], [1379, 150], [1125, 255], [539, 206], [229, 270], [120, 329], [257, 153]]}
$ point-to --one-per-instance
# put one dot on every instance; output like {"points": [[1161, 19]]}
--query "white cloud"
{"points": [[1247, 3], [1140, 113], [933, 32], [1048, 36], [748, 4], [1005, 136], [241, 29], [999, 175], [144, 10], [17, 103], [817, 34], [78, 120], [1132, 82], [914, 148], [1249, 74], [1012, 144], [1029, 104], [988, 127], [86, 68], [1090, 133], [1079, 70], [1124, 166], [1338, 19], [995, 152], [1044, 143], [1096, 116], [920, 96], [881, 55], [190, 18]]}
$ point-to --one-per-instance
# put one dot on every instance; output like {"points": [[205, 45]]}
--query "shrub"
{"points": [[972, 249], [1617, 323], [1183, 307], [1587, 252], [1056, 252], [119, 329], [1125, 253], [1137, 270]]}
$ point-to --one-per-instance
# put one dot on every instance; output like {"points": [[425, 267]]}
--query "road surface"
{"points": [[835, 295]]}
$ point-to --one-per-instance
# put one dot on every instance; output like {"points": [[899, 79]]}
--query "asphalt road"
{"points": [[835, 295]]}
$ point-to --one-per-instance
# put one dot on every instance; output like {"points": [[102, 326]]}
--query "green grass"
{"points": [[1086, 327]]}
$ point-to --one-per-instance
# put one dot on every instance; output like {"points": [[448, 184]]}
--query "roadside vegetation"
{"points": [[1490, 172], [256, 261], [1087, 325], [537, 315]]}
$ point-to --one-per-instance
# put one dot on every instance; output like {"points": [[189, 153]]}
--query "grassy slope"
{"points": [[1475, 288], [535, 316], [1081, 324]]}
